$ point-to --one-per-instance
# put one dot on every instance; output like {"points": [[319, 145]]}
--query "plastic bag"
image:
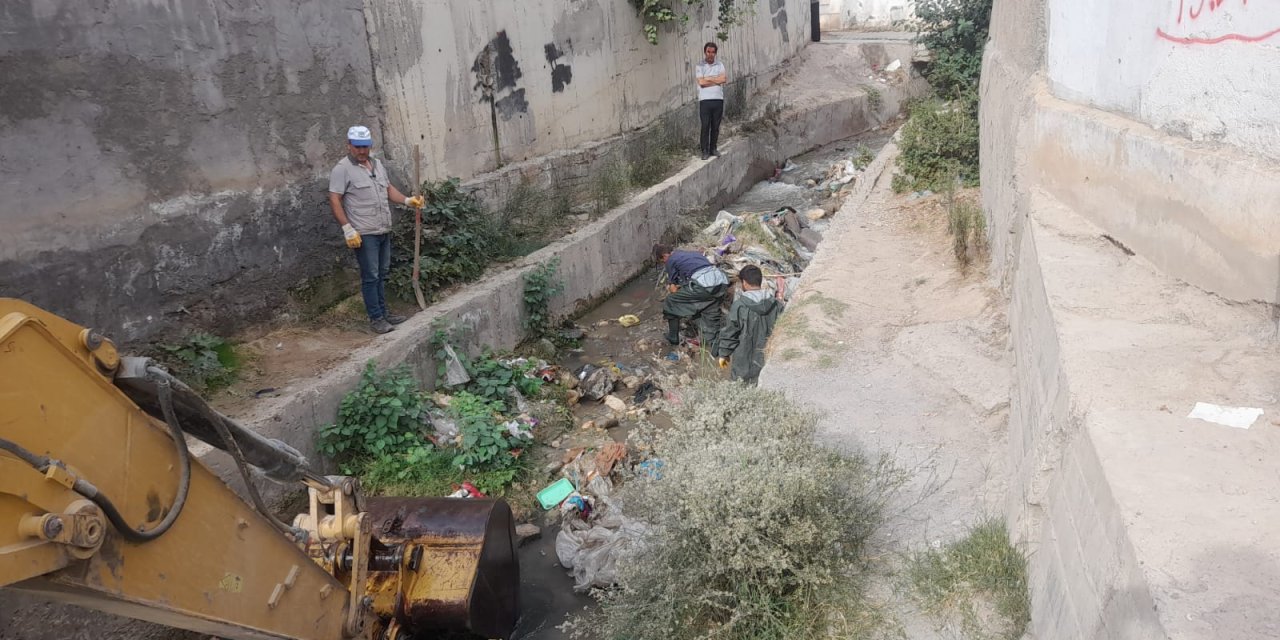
{"points": [[454, 373], [591, 554]]}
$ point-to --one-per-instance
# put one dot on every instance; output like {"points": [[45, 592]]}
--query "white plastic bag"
{"points": [[454, 373]]}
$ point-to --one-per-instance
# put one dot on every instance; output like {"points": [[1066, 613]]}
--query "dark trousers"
{"points": [[693, 300], [374, 258], [711, 112]]}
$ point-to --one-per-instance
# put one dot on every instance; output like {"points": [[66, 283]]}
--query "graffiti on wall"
{"points": [[1210, 22]]}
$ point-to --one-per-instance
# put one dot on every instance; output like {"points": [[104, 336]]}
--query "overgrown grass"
{"points": [[755, 531], [939, 144], [610, 184], [940, 141], [431, 472], [971, 579], [968, 228]]}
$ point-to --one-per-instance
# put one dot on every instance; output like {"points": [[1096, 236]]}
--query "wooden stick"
{"points": [[417, 228]]}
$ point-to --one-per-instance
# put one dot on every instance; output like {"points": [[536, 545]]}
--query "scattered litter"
{"points": [[629, 320], [588, 425], [466, 490], [673, 356], [651, 469], [608, 456], [454, 373], [551, 497], [1238, 417], [615, 404], [646, 391], [724, 221], [596, 382], [279, 346], [893, 66], [591, 550]]}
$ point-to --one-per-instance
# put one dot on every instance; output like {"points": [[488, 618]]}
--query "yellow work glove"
{"points": [[415, 202], [723, 362], [353, 237]]}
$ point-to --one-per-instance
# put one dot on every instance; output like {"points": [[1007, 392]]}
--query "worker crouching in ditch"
{"points": [[750, 322], [359, 194], [696, 288]]}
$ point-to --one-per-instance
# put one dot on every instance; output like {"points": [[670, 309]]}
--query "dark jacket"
{"points": [[751, 320], [681, 265]]}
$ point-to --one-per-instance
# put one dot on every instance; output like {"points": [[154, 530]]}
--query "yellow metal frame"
{"points": [[221, 569]]}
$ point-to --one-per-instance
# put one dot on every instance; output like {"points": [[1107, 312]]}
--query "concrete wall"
{"points": [[1122, 147], [853, 14], [1204, 70], [561, 73], [152, 150], [169, 161], [1159, 129]]}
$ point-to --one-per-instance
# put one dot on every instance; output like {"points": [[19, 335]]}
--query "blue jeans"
{"points": [[374, 258]]}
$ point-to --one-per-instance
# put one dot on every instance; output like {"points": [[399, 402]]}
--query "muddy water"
{"points": [[641, 353]]}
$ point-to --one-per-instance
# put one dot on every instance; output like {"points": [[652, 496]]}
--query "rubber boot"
{"points": [[673, 331]]}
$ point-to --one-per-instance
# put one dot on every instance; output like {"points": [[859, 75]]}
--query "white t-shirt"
{"points": [[714, 92]]}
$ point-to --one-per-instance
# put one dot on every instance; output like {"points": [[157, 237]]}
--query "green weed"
{"points": [[204, 361], [983, 567]]}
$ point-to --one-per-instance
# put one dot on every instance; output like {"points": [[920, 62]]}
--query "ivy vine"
{"points": [[656, 13]]}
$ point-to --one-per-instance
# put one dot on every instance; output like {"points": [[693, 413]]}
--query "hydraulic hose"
{"points": [[232, 447], [88, 490]]}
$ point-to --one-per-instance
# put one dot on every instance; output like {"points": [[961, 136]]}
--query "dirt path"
{"points": [[904, 352]]}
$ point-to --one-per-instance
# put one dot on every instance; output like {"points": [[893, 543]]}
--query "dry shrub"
{"points": [[760, 532]]}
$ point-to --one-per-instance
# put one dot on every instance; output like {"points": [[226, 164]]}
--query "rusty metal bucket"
{"points": [[449, 564]]}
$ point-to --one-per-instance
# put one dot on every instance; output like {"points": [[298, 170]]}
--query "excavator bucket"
{"points": [[453, 566]]}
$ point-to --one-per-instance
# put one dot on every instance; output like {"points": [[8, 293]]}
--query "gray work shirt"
{"points": [[715, 91], [364, 197]]}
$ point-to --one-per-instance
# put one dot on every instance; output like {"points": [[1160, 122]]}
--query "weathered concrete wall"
{"points": [[165, 158], [169, 161], [479, 85], [1202, 70], [854, 14], [1128, 176]]}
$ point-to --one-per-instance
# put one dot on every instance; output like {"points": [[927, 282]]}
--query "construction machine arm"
{"points": [[101, 505]]}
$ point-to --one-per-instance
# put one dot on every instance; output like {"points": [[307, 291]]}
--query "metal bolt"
{"points": [[52, 527], [93, 340]]}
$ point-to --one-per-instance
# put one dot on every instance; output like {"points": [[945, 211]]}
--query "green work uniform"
{"points": [[693, 300], [751, 320]]}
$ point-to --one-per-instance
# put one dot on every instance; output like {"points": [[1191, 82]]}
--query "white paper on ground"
{"points": [[1238, 417]]}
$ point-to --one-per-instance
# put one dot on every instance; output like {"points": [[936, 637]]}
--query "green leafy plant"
{"points": [[939, 144], [431, 472], [541, 285], [967, 226], [875, 99], [382, 416], [458, 241], [204, 361], [955, 31], [656, 13], [485, 441]]}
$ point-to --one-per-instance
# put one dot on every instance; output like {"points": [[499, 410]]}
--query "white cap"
{"points": [[359, 136]]}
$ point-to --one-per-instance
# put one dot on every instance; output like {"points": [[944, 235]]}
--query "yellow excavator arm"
{"points": [[102, 505]]}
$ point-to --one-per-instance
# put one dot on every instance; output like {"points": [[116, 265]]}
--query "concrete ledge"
{"points": [[1202, 213], [1142, 523]]}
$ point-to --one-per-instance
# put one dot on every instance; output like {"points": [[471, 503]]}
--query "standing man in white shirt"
{"points": [[711, 78]]}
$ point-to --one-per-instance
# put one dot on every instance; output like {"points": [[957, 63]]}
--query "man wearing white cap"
{"points": [[359, 193]]}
